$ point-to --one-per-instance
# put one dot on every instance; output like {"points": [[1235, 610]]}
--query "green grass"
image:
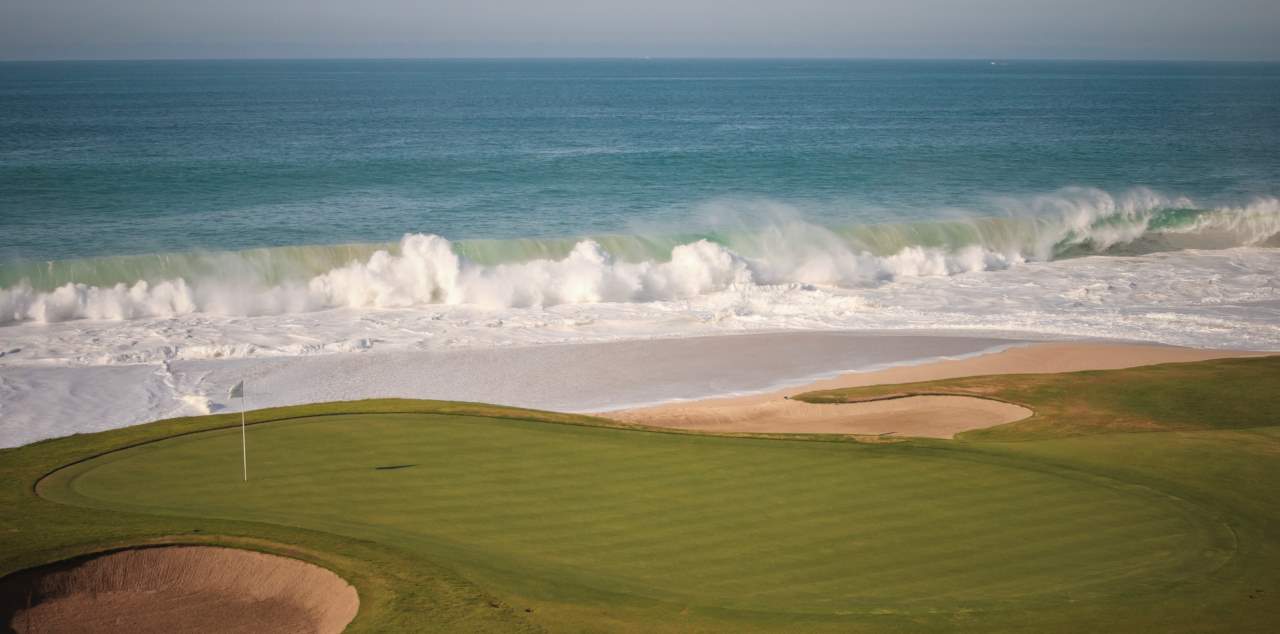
{"points": [[513, 520], [1223, 394]]}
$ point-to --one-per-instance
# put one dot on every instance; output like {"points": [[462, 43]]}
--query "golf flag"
{"points": [[237, 391]]}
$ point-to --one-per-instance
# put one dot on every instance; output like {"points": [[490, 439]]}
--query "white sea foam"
{"points": [[775, 272], [1223, 298], [1251, 225], [426, 270], [783, 249], [89, 374]]}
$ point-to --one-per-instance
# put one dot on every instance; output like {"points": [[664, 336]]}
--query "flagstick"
{"points": [[244, 451]]}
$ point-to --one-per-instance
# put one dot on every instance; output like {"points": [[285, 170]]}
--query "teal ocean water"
{"points": [[153, 190], [107, 158]]}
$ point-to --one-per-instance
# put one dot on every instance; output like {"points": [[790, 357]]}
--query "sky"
{"points": [[1021, 29]]}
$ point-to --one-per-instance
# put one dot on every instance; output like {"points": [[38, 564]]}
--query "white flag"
{"points": [[238, 390]]}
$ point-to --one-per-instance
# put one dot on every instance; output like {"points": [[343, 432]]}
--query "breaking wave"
{"points": [[774, 246]]}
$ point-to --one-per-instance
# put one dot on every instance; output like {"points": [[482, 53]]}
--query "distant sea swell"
{"points": [[777, 247]]}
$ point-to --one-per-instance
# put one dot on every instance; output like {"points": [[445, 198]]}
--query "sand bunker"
{"points": [[177, 589], [923, 416]]}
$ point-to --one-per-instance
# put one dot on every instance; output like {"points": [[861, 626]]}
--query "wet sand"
{"points": [[41, 401]]}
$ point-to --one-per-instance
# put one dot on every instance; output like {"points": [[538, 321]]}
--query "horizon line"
{"points": [[648, 58]]}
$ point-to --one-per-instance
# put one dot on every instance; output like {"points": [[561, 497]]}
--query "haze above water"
{"points": [[1082, 29]]}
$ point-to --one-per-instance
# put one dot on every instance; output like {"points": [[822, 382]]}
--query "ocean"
{"points": [[153, 211]]}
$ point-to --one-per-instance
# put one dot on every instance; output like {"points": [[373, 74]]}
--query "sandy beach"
{"points": [[718, 383], [39, 400], [921, 416]]}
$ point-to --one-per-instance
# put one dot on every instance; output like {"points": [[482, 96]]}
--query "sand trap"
{"points": [[178, 589], [924, 416]]}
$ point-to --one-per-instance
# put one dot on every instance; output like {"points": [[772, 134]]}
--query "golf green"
{"points": [[571, 513], [453, 516]]}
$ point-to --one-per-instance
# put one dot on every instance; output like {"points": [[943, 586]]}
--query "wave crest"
{"points": [[425, 269], [428, 270]]}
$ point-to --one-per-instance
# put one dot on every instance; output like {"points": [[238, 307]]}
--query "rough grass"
{"points": [[506, 520], [1222, 394]]}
